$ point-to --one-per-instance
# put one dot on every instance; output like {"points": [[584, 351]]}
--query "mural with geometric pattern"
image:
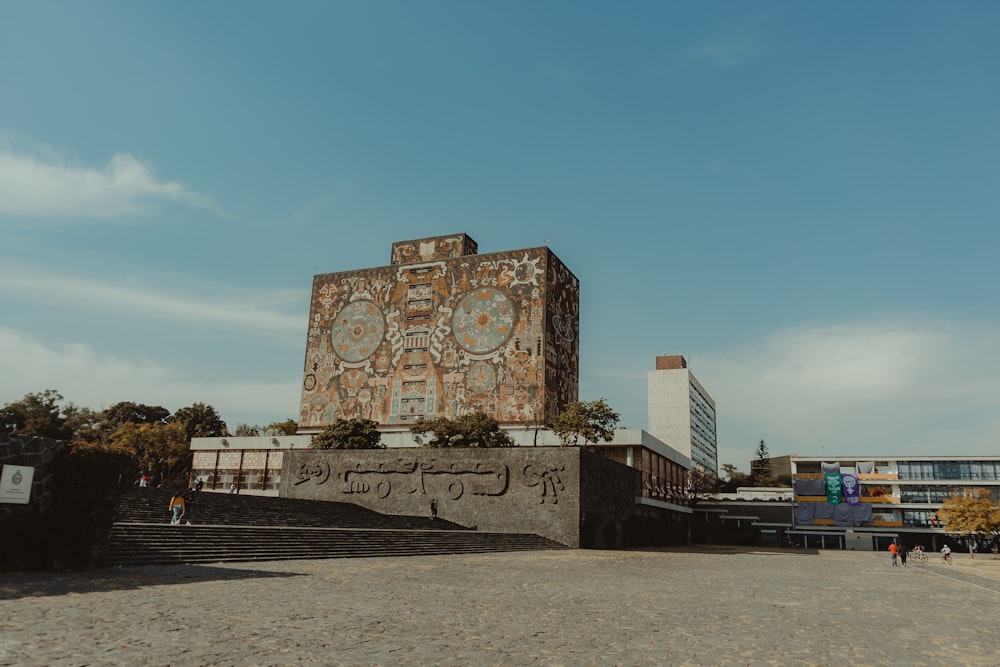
{"points": [[441, 332]]}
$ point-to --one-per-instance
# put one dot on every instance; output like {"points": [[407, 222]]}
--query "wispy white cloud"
{"points": [[267, 312], [731, 47], [42, 185], [917, 387], [726, 54], [88, 378]]}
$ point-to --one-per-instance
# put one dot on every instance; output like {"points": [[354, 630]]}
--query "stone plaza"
{"points": [[697, 606]]}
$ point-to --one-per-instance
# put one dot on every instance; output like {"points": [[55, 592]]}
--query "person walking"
{"points": [[434, 508], [893, 551], [902, 554], [176, 507]]}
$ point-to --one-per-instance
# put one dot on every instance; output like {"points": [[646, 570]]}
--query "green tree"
{"points": [[701, 484], [734, 478], [593, 421], [349, 434], [85, 424], [245, 430], [760, 469], [287, 427], [127, 412], [36, 414], [475, 430], [160, 449], [200, 421], [970, 516]]}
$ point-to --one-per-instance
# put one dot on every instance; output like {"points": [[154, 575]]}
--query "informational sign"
{"points": [[15, 484]]}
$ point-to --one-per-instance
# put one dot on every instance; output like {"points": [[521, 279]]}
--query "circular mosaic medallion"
{"points": [[483, 320], [482, 377], [357, 331]]}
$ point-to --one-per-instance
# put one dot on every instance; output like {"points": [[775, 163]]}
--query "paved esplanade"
{"points": [[710, 607]]}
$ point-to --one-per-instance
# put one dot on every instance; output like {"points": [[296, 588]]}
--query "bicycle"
{"points": [[946, 557], [919, 555]]}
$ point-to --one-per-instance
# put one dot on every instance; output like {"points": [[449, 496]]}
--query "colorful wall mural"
{"points": [[437, 334]]}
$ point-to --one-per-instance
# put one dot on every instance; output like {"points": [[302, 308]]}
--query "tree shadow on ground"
{"points": [[14, 586]]}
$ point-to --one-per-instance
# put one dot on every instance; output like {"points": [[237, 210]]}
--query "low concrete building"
{"points": [[272, 465], [893, 498]]}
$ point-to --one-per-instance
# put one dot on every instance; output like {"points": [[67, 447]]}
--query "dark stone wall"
{"points": [[766, 511], [608, 491], [516, 490], [26, 530]]}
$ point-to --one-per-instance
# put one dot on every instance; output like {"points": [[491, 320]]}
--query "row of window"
{"points": [[959, 470], [246, 479]]}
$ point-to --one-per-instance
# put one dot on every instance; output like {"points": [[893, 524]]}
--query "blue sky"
{"points": [[802, 198]]}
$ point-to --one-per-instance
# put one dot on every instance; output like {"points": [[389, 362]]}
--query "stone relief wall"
{"points": [[517, 490], [495, 333]]}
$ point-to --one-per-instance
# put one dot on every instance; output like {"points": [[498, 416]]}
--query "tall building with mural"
{"points": [[443, 331]]}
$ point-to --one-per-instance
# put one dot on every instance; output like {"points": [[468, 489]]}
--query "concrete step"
{"points": [[150, 506], [138, 543]]}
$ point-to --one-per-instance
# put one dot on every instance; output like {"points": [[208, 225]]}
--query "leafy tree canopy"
{"points": [[200, 421], [475, 430], [245, 430], [591, 421], [127, 412], [287, 427], [86, 425], [36, 414], [349, 434], [159, 449], [701, 484], [734, 478], [970, 516]]}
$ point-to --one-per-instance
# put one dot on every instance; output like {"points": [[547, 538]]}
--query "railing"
{"points": [[864, 499]]}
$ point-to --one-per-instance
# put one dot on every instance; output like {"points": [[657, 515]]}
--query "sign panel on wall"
{"points": [[15, 484]]}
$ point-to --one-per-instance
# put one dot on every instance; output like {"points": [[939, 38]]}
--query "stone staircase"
{"points": [[235, 528], [150, 506]]}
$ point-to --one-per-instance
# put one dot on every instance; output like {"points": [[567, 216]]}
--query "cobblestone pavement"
{"points": [[671, 607]]}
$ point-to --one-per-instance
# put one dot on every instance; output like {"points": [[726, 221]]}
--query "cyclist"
{"points": [[946, 553]]}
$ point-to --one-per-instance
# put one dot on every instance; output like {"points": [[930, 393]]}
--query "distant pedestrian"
{"points": [[893, 551], [176, 508], [198, 483], [902, 554], [144, 481], [232, 487], [434, 508]]}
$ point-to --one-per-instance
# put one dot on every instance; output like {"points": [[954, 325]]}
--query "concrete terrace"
{"points": [[722, 606]]}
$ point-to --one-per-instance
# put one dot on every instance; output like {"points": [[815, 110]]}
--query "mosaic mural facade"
{"points": [[443, 332]]}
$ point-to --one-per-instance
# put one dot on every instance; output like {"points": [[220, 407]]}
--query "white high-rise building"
{"points": [[682, 413]]}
